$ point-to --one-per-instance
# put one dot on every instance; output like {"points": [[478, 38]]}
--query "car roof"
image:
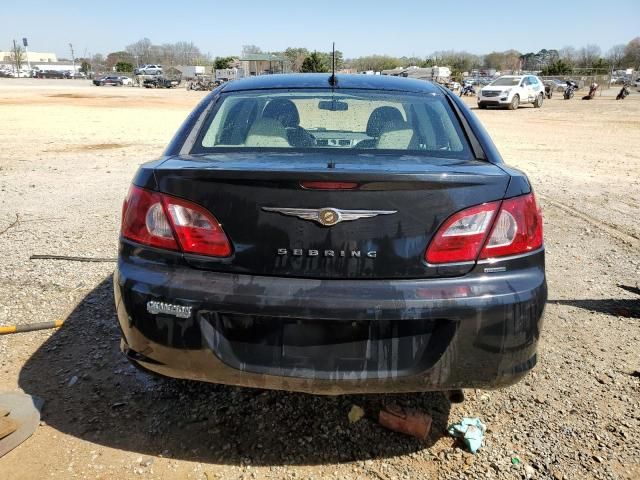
{"points": [[321, 80]]}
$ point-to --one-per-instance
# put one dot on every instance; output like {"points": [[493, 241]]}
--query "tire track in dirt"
{"points": [[608, 228]]}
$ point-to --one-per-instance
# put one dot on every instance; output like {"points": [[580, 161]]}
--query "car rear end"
{"points": [[367, 240]]}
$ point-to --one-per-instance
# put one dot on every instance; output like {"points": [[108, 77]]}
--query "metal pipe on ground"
{"points": [[9, 329], [72, 259]]}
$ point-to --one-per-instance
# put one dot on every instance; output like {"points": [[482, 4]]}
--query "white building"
{"points": [[56, 67], [191, 71], [228, 73], [30, 57]]}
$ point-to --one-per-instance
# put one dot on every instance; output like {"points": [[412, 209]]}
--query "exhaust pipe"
{"points": [[455, 396]]}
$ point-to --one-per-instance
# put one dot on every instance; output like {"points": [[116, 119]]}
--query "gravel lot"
{"points": [[68, 151]]}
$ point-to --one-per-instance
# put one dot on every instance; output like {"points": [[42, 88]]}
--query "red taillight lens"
{"points": [[168, 222], [518, 228], [144, 220], [462, 235], [198, 231], [489, 230]]}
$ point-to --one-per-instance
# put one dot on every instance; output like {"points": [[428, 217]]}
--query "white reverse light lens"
{"points": [[157, 223], [470, 225], [504, 232], [186, 217]]}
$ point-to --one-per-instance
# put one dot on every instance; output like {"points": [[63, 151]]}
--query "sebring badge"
{"points": [[328, 216], [180, 311]]}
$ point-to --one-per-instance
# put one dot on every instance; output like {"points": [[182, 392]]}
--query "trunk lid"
{"points": [[241, 189]]}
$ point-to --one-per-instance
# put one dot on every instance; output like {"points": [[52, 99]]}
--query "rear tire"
{"points": [[538, 101], [515, 102]]}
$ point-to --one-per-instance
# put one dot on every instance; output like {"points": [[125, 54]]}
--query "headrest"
{"points": [[381, 116], [284, 111]]}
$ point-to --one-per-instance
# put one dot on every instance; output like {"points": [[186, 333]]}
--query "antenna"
{"points": [[332, 78]]}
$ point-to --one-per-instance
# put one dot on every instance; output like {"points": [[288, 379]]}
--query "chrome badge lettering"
{"points": [[180, 311], [328, 217], [299, 252]]}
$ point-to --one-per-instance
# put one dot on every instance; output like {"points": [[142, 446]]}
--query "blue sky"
{"points": [[358, 27]]}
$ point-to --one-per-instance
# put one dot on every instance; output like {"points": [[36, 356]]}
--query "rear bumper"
{"points": [[334, 336]]}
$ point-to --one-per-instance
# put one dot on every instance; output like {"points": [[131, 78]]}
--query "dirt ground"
{"points": [[68, 151]]}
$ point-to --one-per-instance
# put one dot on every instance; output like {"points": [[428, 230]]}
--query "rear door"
{"points": [[536, 87], [526, 90]]}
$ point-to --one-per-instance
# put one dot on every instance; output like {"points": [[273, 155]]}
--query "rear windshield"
{"points": [[354, 120]]}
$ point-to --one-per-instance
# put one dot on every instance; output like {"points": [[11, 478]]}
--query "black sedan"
{"points": [[332, 235], [108, 80]]}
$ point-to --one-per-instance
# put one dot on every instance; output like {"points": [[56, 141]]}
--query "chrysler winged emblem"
{"points": [[328, 216]]}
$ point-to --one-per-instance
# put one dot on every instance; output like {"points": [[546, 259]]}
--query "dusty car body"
{"points": [[332, 235]]}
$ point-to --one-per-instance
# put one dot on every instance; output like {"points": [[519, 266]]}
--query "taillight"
{"points": [[462, 235], [518, 228], [163, 221], [494, 229], [197, 230], [144, 220], [329, 185]]}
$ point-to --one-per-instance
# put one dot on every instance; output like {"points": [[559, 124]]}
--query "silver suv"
{"points": [[149, 70]]}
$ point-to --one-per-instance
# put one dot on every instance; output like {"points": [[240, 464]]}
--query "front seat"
{"points": [[379, 119], [268, 133], [396, 135], [284, 111]]}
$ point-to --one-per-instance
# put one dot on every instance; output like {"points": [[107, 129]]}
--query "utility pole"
{"points": [[26, 52], [16, 60], [73, 59]]}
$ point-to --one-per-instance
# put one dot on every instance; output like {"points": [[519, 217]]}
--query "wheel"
{"points": [[515, 102], [482, 106], [538, 101]]}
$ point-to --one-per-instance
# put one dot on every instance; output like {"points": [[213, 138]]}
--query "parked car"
{"points": [[50, 74], [558, 85], [160, 82], [114, 80], [126, 80], [511, 91], [326, 257], [148, 70]]}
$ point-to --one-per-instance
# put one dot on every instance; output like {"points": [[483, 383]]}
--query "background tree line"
{"points": [[301, 59], [145, 52]]}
